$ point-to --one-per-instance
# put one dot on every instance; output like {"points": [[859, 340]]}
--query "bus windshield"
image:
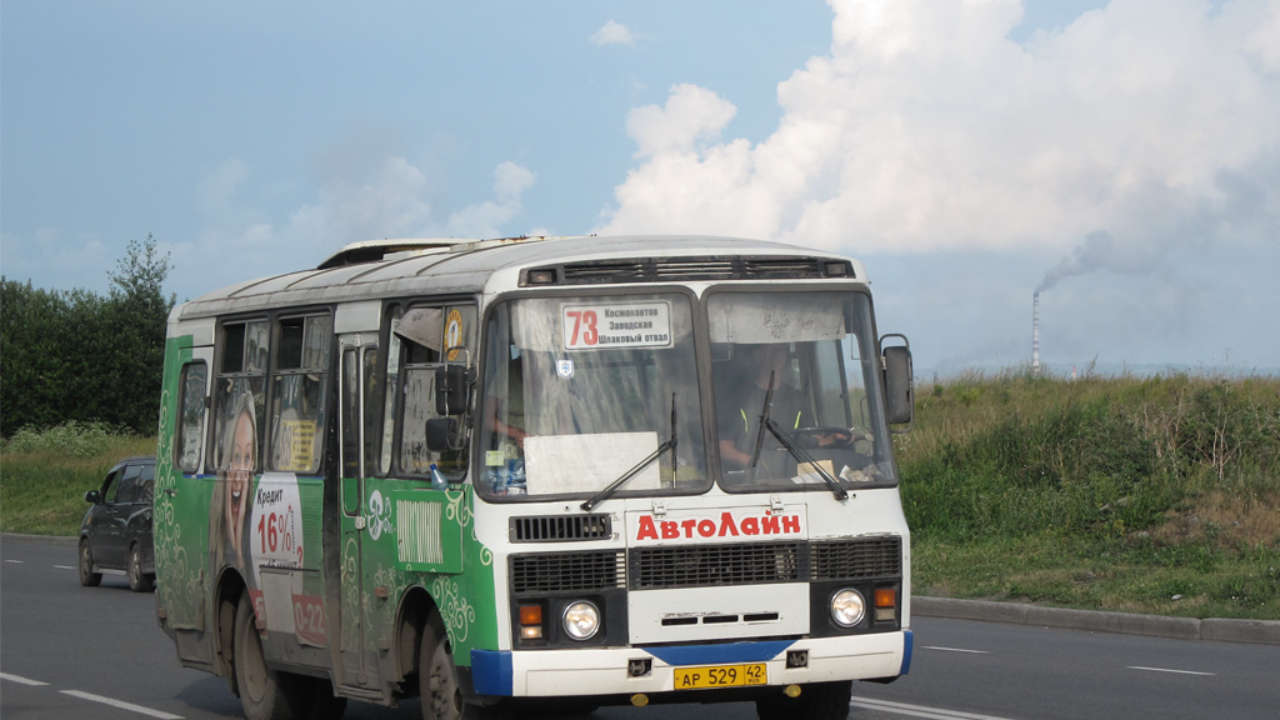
{"points": [[817, 349], [580, 390]]}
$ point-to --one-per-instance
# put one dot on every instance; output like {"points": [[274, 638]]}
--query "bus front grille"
{"points": [[857, 558], [568, 571], [712, 565]]}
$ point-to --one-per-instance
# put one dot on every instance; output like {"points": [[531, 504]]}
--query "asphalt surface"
{"points": [[97, 652]]}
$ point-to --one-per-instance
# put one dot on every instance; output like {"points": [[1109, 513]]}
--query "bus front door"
{"points": [[359, 362]]}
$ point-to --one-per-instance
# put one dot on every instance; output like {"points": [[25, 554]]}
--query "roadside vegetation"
{"points": [[45, 474], [1153, 495]]}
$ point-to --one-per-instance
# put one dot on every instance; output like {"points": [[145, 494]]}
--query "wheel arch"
{"points": [[415, 609], [226, 595]]}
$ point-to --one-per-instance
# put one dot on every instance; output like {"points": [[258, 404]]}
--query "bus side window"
{"points": [[350, 414], [240, 390], [389, 389], [297, 393], [191, 416], [371, 382]]}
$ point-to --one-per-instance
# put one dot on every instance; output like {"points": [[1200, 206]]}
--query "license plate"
{"points": [[718, 676]]}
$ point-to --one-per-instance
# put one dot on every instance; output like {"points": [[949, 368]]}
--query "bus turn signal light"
{"points": [[886, 597], [531, 615]]}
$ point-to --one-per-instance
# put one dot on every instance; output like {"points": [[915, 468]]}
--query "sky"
{"points": [[1122, 157]]}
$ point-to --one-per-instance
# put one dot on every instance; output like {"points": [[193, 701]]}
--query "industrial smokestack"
{"points": [[1035, 334]]}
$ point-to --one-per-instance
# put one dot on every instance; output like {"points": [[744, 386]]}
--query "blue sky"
{"points": [[1127, 151]]}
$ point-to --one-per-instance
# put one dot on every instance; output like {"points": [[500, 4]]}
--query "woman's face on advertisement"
{"points": [[241, 466]]}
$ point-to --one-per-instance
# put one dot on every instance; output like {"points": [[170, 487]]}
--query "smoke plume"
{"points": [[1101, 251]]}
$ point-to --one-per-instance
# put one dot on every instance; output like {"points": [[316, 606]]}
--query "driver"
{"points": [[742, 398]]}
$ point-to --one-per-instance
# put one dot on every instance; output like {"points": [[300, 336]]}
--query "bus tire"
{"points": [[88, 577], [138, 580], [262, 690], [438, 685], [817, 701]]}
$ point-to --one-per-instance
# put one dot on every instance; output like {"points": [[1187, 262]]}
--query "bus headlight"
{"points": [[582, 620], [848, 607]]}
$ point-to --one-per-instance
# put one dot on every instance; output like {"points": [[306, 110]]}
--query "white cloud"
{"points": [[485, 219], [692, 114], [612, 33], [386, 197], [926, 128]]}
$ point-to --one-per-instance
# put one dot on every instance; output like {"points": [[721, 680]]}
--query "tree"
{"points": [[76, 355]]}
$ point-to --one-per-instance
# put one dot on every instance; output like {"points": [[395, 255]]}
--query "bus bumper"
{"points": [[604, 671]]}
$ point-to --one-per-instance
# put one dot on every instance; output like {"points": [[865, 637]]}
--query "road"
{"points": [[97, 652]]}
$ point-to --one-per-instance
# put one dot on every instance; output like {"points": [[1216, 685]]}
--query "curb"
{"points": [[60, 540], [1180, 628]]}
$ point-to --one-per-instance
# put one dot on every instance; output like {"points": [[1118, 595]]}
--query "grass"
{"points": [[44, 474], [1157, 495]]}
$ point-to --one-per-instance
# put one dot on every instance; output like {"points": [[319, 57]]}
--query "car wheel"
{"points": [[262, 690], [438, 685], [88, 577], [138, 580]]}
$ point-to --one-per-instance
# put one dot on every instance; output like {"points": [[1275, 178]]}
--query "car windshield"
{"points": [[818, 351], [579, 390]]}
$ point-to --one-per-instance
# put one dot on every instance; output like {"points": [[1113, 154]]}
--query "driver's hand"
{"points": [[835, 439]]}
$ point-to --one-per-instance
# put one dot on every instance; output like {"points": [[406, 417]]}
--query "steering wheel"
{"points": [[826, 437]]}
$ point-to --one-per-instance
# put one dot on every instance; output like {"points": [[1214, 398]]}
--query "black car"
{"points": [[116, 532]]}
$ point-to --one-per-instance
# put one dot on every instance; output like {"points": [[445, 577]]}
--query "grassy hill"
{"points": [[44, 475], [1147, 495]]}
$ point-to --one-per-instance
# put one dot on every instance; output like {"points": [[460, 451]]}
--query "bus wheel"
{"points": [[88, 577], [438, 686], [262, 690], [138, 580], [819, 701]]}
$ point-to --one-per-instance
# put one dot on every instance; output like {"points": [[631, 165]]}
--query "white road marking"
{"points": [[65, 567], [15, 562], [121, 704], [1170, 670], [922, 711], [21, 680], [959, 650]]}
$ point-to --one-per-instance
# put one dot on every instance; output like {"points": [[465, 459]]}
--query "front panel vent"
{"points": [[860, 558], [712, 565], [568, 572], [727, 267], [560, 528]]}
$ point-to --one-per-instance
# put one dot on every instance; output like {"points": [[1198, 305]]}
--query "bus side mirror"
{"points": [[451, 390], [441, 434], [92, 497], [899, 394]]}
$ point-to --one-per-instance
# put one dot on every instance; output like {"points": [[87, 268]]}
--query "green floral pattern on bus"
{"points": [[179, 556], [465, 601]]}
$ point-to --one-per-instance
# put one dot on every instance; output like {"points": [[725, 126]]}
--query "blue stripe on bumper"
{"points": [[491, 672], [908, 640], [737, 652]]}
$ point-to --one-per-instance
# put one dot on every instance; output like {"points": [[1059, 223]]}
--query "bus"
{"points": [[530, 472]]}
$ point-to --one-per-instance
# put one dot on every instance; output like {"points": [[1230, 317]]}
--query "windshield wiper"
{"points": [[612, 487], [797, 452], [803, 456]]}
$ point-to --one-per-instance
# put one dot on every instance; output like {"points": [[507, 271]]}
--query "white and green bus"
{"points": [[553, 472]]}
